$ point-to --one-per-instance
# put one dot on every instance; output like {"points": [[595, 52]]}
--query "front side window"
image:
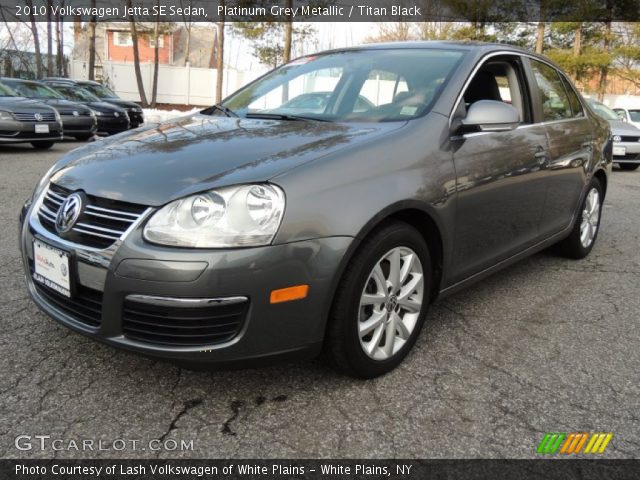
{"points": [[359, 85], [574, 101], [555, 102]]}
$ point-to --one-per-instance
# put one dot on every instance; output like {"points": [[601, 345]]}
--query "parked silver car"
{"points": [[631, 115], [626, 137], [27, 121], [78, 121]]}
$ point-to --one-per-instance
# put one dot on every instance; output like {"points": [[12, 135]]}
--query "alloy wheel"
{"points": [[391, 303], [590, 218]]}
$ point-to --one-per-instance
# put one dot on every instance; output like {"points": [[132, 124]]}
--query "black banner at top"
{"points": [[477, 11]]}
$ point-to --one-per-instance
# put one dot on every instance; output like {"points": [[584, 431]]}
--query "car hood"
{"points": [[60, 104], [105, 107], [21, 104], [121, 103], [158, 163], [618, 127]]}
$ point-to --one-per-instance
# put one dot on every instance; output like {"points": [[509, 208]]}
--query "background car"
{"points": [[626, 137], [136, 117], [78, 120], [27, 121], [111, 118], [630, 115]]}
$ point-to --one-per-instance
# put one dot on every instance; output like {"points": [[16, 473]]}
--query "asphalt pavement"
{"points": [[547, 345]]}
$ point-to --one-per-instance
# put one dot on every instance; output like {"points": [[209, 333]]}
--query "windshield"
{"points": [[100, 91], [6, 91], [361, 85], [635, 115], [33, 90], [76, 93], [604, 111]]}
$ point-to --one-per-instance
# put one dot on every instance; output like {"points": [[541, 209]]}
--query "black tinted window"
{"points": [[555, 102]]}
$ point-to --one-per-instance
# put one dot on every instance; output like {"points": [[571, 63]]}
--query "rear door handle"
{"points": [[540, 155]]}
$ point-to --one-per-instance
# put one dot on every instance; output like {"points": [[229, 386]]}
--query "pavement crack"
{"points": [[186, 407], [236, 405]]}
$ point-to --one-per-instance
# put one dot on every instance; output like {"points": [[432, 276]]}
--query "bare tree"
{"points": [[288, 35], [92, 44], [36, 39], [220, 55], [136, 58], [540, 37], [156, 61], [49, 39], [186, 20]]}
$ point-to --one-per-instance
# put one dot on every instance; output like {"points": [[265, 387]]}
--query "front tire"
{"points": [[628, 166], [381, 303], [585, 230], [41, 145]]}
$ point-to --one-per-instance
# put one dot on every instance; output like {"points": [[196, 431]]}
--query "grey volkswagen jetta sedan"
{"points": [[243, 234]]}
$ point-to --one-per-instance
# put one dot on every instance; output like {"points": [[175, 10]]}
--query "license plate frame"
{"points": [[619, 151], [53, 268]]}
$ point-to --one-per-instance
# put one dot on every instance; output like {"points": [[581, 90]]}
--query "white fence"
{"points": [[176, 85]]}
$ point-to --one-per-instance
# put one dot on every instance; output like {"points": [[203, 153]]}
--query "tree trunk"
{"points": [[288, 35], [577, 41], [49, 40], [220, 57], [540, 37], [136, 59], [36, 40], [187, 52], [59, 50], [604, 71], [156, 55], [92, 44]]}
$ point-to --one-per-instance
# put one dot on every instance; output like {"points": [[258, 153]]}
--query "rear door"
{"points": [[570, 145], [500, 184]]}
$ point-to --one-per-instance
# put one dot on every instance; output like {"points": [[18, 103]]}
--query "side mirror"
{"points": [[621, 116], [490, 116]]}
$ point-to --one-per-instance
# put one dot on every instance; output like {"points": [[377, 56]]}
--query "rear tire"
{"points": [[587, 225], [381, 303], [628, 166], [41, 145]]}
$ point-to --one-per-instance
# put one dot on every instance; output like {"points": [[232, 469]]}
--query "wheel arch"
{"points": [[601, 175]]}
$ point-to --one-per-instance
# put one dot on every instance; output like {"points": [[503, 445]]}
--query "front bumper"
{"points": [[13, 131], [135, 119], [111, 125], [78, 124], [632, 152], [132, 267]]}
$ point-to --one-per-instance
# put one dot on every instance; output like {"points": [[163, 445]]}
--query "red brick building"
{"points": [[119, 47]]}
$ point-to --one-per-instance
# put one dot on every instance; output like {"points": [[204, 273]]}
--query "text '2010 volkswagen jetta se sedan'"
{"points": [[245, 233]]}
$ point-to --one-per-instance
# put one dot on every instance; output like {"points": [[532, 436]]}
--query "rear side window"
{"points": [[555, 101], [574, 101]]}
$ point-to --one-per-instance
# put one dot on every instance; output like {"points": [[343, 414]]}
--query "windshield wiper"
{"points": [[285, 116], [221, 108]]}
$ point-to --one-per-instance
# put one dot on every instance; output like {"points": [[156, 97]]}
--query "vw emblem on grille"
{"points": [[38, 117], [68, 213], [75, 113], [116, 114]]}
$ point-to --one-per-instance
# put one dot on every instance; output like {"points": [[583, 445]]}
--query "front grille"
{"points": [[630, 139], [102, 222], [31, 117], [188, 326], [85, 306], [81, 113], [628, 156]]}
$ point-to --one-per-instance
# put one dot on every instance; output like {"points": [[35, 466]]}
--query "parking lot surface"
{"points": [[547, 345]]}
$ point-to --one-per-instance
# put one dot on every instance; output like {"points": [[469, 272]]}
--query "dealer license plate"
{"points": [[619, 151], [52, 267], [42, 128]]}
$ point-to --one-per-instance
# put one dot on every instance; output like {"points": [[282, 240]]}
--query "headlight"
{"points": [[44, 181], [98, 114], [57, 116], [616, 138], [239, 216], [5, 115]]}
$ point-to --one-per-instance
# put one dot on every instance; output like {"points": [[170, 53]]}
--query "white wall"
{"points": [[176, 84]]}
